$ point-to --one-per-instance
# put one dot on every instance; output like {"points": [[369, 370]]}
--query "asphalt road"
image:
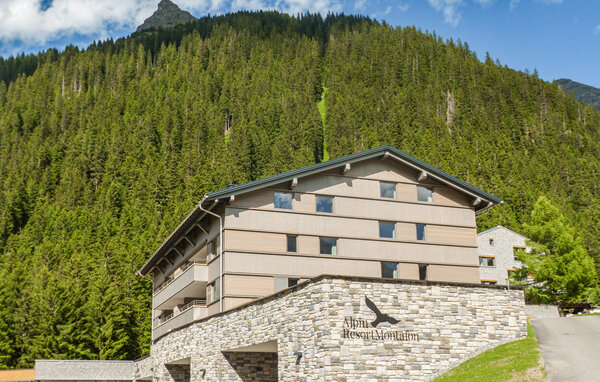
{"points": [[570, 347]]}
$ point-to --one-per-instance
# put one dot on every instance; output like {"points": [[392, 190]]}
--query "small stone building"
{"points": [[497, 254]]}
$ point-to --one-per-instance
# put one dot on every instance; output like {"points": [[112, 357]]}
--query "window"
{"points": [[281, 283], [425, 194], [283, 200], [325, 204], [328, 245], [389, 270], [516, 251], [488, 282], [420, 231], [213, 247], [292, 243], [491, 241], [423, 271], [387, 190], [387, 230], [216, 289], [486, 261]]}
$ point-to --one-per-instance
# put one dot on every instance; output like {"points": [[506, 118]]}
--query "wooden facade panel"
{"points": [[308, 245], [414, 252], [450, 197], [406, 231], [381, 209], [453, 274], [234, 302], [451, 235], [386, 170], [294, 266], [213, 270], [244, 240], [257, 199], [330, 225], [305, 203], [408, 271], [242, 285]]}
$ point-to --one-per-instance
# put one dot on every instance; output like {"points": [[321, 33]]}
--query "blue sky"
{"points": [[559, 38]]}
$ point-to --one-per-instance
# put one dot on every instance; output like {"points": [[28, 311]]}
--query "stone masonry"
{"points": [[326, 330]]}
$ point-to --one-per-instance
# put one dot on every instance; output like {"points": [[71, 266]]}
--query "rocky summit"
{"points": [[167, 15]]}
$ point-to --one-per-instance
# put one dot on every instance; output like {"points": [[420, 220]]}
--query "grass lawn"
{"points": [[515, 361], [586, 314]]}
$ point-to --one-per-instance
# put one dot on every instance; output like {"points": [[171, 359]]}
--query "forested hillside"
{"points": [[104, 151]]}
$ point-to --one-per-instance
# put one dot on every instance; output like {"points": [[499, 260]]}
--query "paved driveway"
{"points": [[570, 347]]}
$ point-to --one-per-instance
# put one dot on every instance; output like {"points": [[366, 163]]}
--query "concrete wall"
{"points": [[79, 370], [439, 325], [538, 311]]}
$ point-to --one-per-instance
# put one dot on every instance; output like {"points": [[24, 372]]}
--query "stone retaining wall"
{"points": [[324, 331]]}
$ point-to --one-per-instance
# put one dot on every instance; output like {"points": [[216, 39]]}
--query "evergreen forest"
{"points": [[104, 150]]}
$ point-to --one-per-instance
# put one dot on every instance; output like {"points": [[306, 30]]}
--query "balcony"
{"points": [[188, 281], [191, 311]]}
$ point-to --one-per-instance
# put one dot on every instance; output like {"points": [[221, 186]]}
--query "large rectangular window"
{"points": [[389, 270], [387, 190], [283, 200], [423, 271], [485, 261], [387, 230], [324, 204], [292, 243], [216, 289], [420, 231], [328, 245], [425, 194]]}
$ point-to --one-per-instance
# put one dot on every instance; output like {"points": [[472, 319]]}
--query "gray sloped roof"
{"points": [[487, 200], [488, 231]]}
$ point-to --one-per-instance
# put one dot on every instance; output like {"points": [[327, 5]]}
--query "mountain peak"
{"points": [[167, 15]]}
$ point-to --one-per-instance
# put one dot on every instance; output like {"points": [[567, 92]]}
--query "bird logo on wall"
{"points": [[381, 317]]}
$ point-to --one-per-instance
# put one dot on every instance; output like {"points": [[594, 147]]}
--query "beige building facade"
{"points": [[380, 213]]}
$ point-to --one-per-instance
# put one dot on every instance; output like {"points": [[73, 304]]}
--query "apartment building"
{"points": [[361, 265], [379, 213], [498, 249]]}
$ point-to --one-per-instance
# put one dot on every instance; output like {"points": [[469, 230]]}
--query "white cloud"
{"points": [[23, 24], [250, 5], [313, 6], [25, 21], [449, 8], [597, 30], [403, 7], [514, 3], [360, 5]]}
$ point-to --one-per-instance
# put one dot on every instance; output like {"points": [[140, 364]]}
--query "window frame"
{"points": [[334, 249], [394, 272], [291, 194], [424, 237], [288, 237], [324, 197], [381, 193], [493, 258], [431, 189], [393, 229], [421, 267]]}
